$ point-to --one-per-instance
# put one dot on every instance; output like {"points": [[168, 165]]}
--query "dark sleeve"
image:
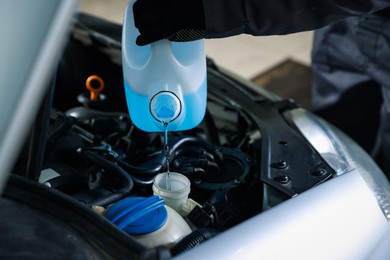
{"points": [[270, 17]]}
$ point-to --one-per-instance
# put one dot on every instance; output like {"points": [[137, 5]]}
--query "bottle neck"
{"points": [[162, 50]]}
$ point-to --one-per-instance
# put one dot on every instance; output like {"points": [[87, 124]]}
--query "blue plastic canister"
{"points": [[149, 220], [165, 82]]}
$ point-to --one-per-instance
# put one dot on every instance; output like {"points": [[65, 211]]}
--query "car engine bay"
{"points": [[244, 158]]}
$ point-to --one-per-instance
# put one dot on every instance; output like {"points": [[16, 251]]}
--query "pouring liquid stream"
{"points": [[166, 153]]}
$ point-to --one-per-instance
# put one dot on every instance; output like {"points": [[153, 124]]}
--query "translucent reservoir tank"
{"points": [[165, 82]]}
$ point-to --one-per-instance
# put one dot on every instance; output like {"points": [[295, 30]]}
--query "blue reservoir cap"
{"points": [[138, 215], [165, 106]]}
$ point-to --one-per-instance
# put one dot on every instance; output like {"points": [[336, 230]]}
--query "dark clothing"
{"points": [[351, 80], [351, 57], [190, 20], [259, 17]]}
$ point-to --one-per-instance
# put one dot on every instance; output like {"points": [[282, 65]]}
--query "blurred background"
{"points": [[279, 63]]}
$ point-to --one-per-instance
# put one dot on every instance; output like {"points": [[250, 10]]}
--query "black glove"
{"points": [[175, 20]]}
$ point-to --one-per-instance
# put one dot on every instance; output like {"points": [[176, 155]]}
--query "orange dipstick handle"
{"points": [[95, 85]]}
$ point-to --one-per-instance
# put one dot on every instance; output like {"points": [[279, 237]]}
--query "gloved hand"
{"points": [[175, 20]]}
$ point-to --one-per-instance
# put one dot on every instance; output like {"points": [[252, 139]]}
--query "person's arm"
{"points": [[186, 20], [261, 17], [175, 20]]}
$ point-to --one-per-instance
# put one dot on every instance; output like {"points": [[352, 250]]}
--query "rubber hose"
{"points": [[150, 170], [192, 240], [111, 167], [139, 181], [142, 182], [177, 143]]}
